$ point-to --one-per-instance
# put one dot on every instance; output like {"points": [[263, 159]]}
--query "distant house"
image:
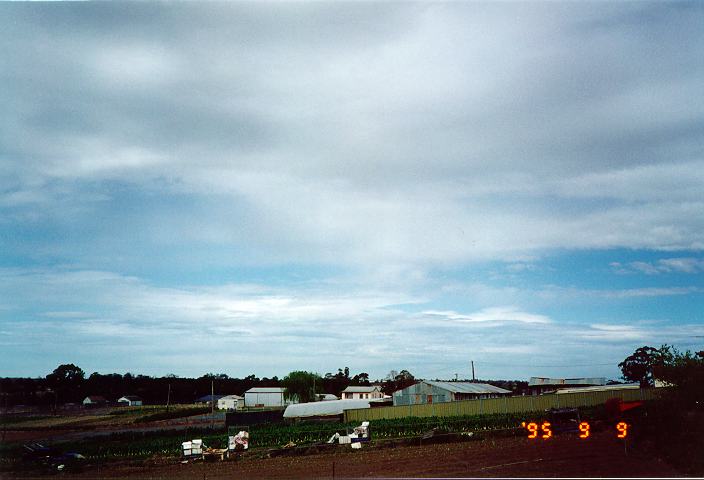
{"points": [[266, 397], [130, 401], [209, 399], [231, 402], [94, 400], [362, 393], [427, 391], [540, 385]]}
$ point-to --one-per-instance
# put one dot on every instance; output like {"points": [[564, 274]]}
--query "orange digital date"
{"points": [[584, 429]]}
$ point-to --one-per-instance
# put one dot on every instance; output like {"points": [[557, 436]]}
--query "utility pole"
{"points": [[212, 403], [168, 398], [473, 379]]}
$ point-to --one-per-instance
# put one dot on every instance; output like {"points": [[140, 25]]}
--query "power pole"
{"points": [[212, 403], [168, 398], [473, 379]]}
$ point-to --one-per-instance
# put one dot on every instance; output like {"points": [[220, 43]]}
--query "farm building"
{"points": [[209, 399], [231, 402], [427, 391], [362, 393], [540, 385], [265, 397], [130, 400], [600, 388], [94, 400], [329, 410]]}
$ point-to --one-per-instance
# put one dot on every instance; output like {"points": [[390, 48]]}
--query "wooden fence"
{"points": [[498, 405]]}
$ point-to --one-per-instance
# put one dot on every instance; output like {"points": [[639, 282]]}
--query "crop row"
{"points": [[275, 435]]}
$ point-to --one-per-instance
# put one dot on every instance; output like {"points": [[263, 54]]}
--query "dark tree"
{"points": [[66, 381], [644, 362]]}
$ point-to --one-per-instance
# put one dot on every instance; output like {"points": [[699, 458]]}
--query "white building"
{"points": [[130, 400], [362, 393], [265, 397], [93, 400], [231, 402]]}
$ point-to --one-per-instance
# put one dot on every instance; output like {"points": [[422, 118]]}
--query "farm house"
{"points": [[94, 400], [231, 402], [265, 397], [362, 393], [130, 400], [427, 391]]}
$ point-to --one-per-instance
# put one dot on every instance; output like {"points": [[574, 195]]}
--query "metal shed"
{"points": [[428, 391], [265, 397]]}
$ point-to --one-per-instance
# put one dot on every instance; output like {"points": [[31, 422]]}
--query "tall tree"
{"points": [[66, 380], [302, 385], [644, 362]]}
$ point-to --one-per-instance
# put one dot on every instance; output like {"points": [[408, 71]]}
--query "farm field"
{"points": [[562, 456]]}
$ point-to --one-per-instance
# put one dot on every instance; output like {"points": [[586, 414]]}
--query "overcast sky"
{"points": [[265, 187]]}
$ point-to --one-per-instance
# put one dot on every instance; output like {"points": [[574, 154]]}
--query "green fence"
{"points": [[498, 405]]}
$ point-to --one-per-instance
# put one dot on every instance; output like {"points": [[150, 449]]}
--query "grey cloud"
{"points": [[365, 134]]}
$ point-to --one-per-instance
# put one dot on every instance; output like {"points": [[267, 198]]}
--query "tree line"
{"points": [[68, 383]]}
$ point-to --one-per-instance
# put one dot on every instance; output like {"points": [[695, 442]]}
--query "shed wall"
{"points": [[265, 399]]}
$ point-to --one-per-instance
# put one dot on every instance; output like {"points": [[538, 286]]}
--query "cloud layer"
{"points": [[303, 169]]}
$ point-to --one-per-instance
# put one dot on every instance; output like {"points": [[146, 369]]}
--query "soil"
{"points": [[601, 455]]}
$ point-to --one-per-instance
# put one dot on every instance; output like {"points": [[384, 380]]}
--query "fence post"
{"points": [[481, 407], [505, 405]]}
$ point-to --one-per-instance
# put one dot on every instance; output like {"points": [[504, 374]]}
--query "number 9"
{"points": [[622, 427], [533, 429], [584, 428]]}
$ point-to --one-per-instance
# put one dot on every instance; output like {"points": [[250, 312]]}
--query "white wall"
{"points": [[265, 399]]}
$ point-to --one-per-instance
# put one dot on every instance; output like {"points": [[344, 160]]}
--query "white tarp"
{"points": [[321, 409]]}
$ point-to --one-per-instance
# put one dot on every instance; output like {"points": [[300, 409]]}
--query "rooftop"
{"points": [[361, 389], [209, 398], [266, 390], [539, 381], [600, 388], [467, 387]]}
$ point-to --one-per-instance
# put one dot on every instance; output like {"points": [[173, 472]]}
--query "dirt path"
{"points": [[602, 455]]}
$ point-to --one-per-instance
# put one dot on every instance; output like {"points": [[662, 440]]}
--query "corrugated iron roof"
{"points": [[467, 387], [539, 381], [600, 388], [266, 390], [361, 389]]}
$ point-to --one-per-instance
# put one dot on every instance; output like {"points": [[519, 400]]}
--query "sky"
{"points": [[266, 187]]}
